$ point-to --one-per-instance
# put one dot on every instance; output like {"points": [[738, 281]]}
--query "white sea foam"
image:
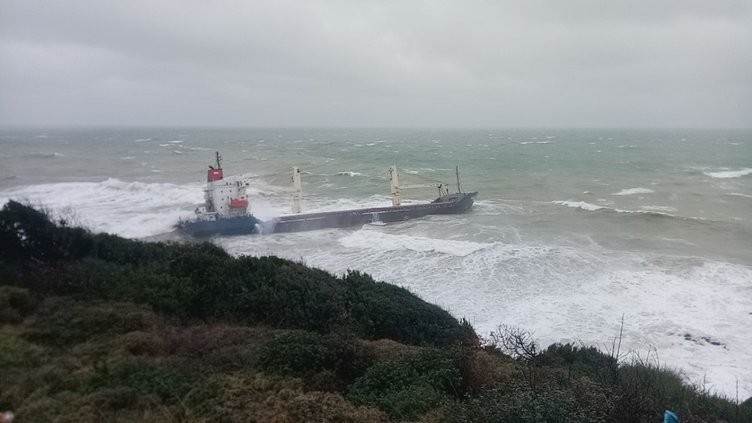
{"points": [[130, 209], [380, 241], [349, 173], [730, 173], [739, 194], [659, 209], [579, 205], [632, 191], [52, 155]]}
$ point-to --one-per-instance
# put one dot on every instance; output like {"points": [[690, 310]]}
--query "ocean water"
{"points": [[572, 230]]}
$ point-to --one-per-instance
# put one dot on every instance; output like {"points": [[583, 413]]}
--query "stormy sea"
{"points": [[574, 232]]}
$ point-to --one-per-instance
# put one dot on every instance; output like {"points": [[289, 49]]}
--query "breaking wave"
{"points": [[730, 173], [632, 191], [654, 211], [130, 209]]}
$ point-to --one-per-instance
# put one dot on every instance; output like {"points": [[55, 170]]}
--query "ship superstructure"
{"points": [[226, 206]]}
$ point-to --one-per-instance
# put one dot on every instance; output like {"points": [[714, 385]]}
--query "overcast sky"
{"points": [[526, 63]]}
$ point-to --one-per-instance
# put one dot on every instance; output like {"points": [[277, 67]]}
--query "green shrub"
{"points": [[167, 382], [383, 310], [297, 353], [409, 387], [282, 293], [325, 362], [15, 304], [644, 390], [17, 354], [580, 360], [256, 397], [515, 404], [26, 234], [62, 321]]}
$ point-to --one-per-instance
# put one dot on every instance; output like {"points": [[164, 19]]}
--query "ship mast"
{"points": [[457, 172], [297, 194], [394, 182]]}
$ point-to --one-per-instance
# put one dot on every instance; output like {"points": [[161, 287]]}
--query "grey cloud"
{"points": [[370, 63]]}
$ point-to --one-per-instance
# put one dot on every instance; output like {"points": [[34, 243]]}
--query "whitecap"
{"points": [[739, 194], [349, 173], [730, 173], [579, 205], [632, 191], [661, 209]]}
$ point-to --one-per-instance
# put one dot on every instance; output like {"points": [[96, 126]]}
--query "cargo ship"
{"points": [[226, 208]]}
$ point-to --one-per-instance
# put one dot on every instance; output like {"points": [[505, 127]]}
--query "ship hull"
{"points": [[248, 224], [453, 204], [235, 225]]}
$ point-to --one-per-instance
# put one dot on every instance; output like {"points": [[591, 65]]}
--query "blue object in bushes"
{"points": [[670, 417]]}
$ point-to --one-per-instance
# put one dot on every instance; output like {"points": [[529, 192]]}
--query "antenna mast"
{"points": [[457, 172]]}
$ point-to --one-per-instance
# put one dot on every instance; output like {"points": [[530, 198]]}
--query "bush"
{"points": [[282, 294], [170, 384], [515, 404], [256, 397], [409, 387], [383, 310], [28, 234], [644, 390], [324, 361], [62, 321], [581, 360], [15, 304], [17, 354]]}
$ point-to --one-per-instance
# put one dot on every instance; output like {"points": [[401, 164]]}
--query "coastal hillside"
{"points": [[94, 327]]}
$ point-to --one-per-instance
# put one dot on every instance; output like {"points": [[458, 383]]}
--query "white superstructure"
{"points": [[224, 196]]}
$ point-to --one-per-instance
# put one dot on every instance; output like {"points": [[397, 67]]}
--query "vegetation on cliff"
{"points": [[94, 327]]}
